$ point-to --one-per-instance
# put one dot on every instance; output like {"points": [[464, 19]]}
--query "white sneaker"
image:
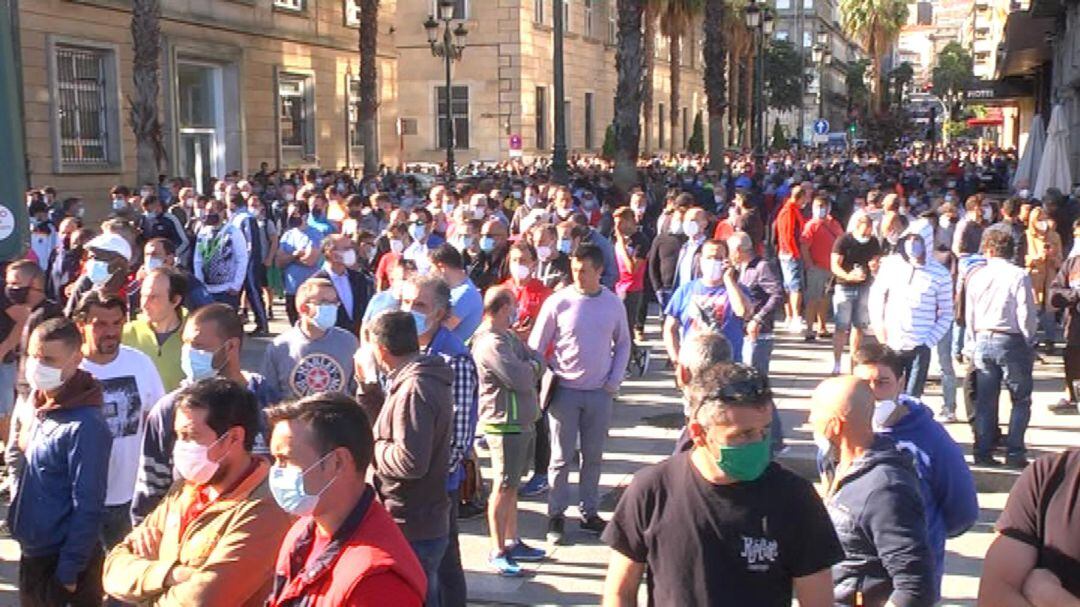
{"points": [[836, 369]]}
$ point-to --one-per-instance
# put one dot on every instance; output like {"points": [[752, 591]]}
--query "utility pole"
{"points": [[14, 223], [559, 169]]}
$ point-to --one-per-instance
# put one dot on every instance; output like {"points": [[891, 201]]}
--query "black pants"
{"points": [[452, 589], [542, 453], [1072, 370], [38, 586], [290, 308]]}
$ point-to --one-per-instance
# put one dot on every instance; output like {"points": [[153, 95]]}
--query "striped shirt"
{"points": [[912, 304]]}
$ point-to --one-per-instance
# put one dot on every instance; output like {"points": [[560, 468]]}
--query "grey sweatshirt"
{"points": [[508, 372], [412, 446], [297, 366]]}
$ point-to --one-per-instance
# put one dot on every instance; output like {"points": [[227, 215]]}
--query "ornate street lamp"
{"points": [[450, 46], [759, 20]]}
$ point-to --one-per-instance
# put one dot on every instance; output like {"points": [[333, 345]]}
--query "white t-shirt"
{"points": [[131, 385]]}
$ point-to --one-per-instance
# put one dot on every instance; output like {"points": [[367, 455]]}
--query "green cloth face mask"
{"points": [[745, 463]]}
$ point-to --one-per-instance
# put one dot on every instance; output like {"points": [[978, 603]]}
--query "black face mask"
{"points": [[212, 219], [295, 221], [17, 295]]}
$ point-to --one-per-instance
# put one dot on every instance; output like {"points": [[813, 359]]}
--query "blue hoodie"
{"points": [[945, 482]]}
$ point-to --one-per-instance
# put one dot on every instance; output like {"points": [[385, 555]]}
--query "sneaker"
{"points": [[537, 485], [946, 417], [835, 369], [470, 510], [525, 553], [987, 461], [556, 533], [1016, 462], [1063, 407], [503, 564], [593, 524]]}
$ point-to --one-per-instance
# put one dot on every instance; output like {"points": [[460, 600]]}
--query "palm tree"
{"points": [[876, 25], [143, 115], [739, 48], [715, 79], [676, 19], [647, 80], [628, 64], [369, 96]]}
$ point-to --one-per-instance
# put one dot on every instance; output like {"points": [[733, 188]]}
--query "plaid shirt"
{"points": [[466, 399]]}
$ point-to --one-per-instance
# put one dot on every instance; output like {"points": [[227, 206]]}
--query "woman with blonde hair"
{"points": [[1043, 260]]}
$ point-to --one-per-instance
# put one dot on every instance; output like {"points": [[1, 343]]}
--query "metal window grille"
{"points": [[352, 13], [459, 113], [613, 22], [589, 143], [589, 17], [538, 10], [81, 82], [294, 111], [292, 5], [461, 8], [541, 118]]}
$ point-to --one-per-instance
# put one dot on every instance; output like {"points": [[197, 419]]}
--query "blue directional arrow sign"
{"points": [[821, 126]]}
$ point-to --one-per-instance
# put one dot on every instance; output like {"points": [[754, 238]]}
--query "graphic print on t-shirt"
{"points": [[123, 405], [317, 372], [709, 312]]}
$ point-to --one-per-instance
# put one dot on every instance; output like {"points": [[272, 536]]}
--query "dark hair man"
{"points": [[721, 524]]}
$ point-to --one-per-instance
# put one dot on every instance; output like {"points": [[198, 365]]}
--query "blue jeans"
{"points": [[998, 358], [916, 367], [948, 373], [430, 554], [758, 354], [663, 296], [452, 589]]}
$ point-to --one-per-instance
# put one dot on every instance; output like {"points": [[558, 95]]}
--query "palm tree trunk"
{"points": [[749, 92], [143, 116], [628, 64], [647, 79], [369, 94], [675, 49], [715, 82]]}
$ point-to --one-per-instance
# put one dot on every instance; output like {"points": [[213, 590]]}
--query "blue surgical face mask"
{"points": [[487, 244], [417, 232], [153, 263], [325, 316], [98, 271], [564, 246], [197, 364], [421, 322], [466, 242], [287, 487]]}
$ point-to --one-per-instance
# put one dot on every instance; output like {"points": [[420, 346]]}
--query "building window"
{"points": [[296, 98], [541, 118], [807, 39], [781, 35], [783, 4], [461, 8], [352, 13], [589, 142], [459, 113], [589, 17], [86, 125], [289, 5], [660, 120], [356, 139], [613, 21], [808, 4], [566, 16]]}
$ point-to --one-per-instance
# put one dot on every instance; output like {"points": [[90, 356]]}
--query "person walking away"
{"points": [[946, 484], [412, 441], [663, 259], [873, 501], [213, 537], [1001, 319], [508, 373], [675, 516], [586, 328], [59, 504], [343, 549], [911, 307], [1043, 260], [854, 261]]}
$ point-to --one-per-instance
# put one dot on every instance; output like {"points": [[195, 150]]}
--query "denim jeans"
{"points": [[998, 358], [452, 589], [916, 367], [430, 554], [663, 296], [758, 354], [957, 340], [948, 373]]}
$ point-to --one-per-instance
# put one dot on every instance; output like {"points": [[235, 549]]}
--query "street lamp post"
{"points": [[759, 20], [450, 48], [822, 56], [559, 169]]}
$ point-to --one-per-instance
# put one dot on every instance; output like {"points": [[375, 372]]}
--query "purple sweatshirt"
{"points": [[590, 337]]}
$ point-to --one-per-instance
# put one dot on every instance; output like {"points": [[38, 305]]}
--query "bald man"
{"points": [[874, 502], [492, 268]]}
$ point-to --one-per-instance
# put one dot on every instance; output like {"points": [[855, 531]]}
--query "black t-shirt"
{"points": [[637, 246], [739, 544], [1044, 513], [855, 253]]}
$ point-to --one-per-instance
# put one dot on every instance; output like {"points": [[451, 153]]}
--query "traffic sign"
{"points": [[821, 126], [515, 146]]}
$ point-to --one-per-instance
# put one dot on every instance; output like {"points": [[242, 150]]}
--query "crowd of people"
{"points": [[434, 320]]}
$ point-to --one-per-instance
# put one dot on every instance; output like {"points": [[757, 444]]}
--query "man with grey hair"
{"points": [[721, 524], [701, 351], [427, 298], [759, 279]]}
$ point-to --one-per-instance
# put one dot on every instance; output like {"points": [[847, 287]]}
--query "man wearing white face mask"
{"points": [[212, 339], [314, 355], [322, 448], [59, 504], [353, 289], [911, 307], [213, 537], [694, 221]]}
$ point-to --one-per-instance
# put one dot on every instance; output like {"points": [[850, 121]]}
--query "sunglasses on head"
{"points": [[752, 389]]}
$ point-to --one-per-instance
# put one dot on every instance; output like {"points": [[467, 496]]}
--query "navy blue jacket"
{"points": [[60, 504], [879, 518], [766, 293], [946, 484]]}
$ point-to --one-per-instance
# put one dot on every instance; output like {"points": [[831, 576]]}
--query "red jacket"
{"points": [[367, 562], [789, 228]]}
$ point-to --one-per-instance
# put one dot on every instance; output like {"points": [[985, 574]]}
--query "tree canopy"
{"points": [[783, 66]]}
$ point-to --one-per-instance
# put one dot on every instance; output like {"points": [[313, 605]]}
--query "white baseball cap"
{"points": [[113, 243]]}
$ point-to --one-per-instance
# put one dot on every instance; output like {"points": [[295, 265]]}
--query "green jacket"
{"points": [[166, 357]]}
